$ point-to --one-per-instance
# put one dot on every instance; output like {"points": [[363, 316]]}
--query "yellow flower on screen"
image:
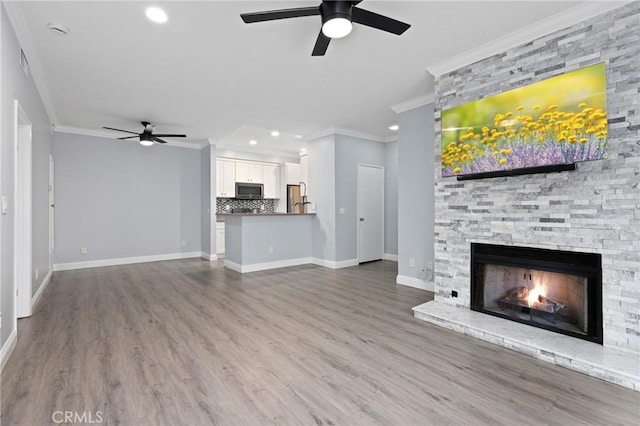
{"points": [[502, 160], [457, 170]]}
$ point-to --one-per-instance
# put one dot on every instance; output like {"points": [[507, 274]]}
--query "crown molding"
{"points": [[344, 132], [20, 27], [525, 34], [233, 152], [110, 135], [413, 103], [392, 138]]}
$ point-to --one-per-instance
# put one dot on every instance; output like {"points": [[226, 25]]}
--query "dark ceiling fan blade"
{"points": [[156, 139], [170, 136], [129, 137], [272, 15], [322, 43], [120, 130], [380, 22]]}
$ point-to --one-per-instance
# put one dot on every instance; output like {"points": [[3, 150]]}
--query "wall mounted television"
{"points": [[542, 127]]}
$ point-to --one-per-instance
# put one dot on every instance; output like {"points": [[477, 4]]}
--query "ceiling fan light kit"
{"points": [[337, 20]]}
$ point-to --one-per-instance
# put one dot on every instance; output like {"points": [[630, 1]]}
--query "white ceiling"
{"points": [[207, 74]]}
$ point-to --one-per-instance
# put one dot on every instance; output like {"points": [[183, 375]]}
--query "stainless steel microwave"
{"points": [[249, 191]]}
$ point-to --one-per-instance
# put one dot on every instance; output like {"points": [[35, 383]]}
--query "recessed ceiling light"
{"points": [[253, 142], [275, 133], [303, 150], [394, 127], [156, 15], [298, 136]]}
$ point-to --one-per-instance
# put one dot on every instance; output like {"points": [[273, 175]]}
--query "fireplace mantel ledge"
{"points": [[609, 364]]}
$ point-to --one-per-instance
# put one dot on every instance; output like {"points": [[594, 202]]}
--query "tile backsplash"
{"points": [[226, 205]]}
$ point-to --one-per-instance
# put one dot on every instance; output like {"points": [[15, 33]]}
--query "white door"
{"points": [[22, 230], [370, 213]]}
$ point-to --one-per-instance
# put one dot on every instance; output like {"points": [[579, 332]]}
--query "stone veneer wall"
{"points": [[595, 208]]}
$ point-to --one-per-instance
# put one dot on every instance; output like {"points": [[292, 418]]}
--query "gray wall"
{"points": [[415, 190], [205, 190], [15, 85], [591, 209], [322, 178], [391, 198], [349, 152], [120, 199], [249, 243]]}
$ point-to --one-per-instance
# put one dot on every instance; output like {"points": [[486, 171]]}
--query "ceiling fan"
{"points": [[337, 18], [147, 137]]}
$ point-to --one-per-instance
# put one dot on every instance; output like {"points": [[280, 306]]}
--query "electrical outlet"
{"points": [[342, 210], [37, 274], [183, 243], [83, 250], [412, 262], [271, 250], [430, 265]]}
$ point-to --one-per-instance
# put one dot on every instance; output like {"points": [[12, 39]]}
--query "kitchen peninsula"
{"points": [[255, 242]]}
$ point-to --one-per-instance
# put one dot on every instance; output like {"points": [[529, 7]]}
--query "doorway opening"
{"points": [[22, 219]]}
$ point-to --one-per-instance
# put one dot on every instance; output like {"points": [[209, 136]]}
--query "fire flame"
{"points": [[539, 289]]}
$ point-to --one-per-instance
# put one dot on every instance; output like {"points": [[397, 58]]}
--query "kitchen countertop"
{"points": [[220, 216]]}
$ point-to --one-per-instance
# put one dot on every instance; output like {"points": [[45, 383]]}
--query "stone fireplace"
{"points": [[592, 210], [551, 289]]}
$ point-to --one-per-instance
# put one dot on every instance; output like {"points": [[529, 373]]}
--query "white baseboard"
{"points": [[36, 297], [414, 282], [124, 261], [388, 256], [333, 264], [209, 257], [7, 348], [266, 265]]}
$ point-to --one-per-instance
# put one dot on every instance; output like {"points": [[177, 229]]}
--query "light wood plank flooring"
{"points": [[188, 342]]}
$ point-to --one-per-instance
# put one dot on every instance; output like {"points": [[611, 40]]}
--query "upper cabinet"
{"points": [[249, 172], [292, 173], [274, 177], [271, 180], [225, 178]]}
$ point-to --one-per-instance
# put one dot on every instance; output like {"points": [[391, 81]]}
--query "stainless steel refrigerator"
{"points": [[294, 199]]}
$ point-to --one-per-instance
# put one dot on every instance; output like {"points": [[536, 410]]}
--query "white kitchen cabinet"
{"points": [[271, 180], [248, 172], [292, 173], [225, 178], [220, 238]]}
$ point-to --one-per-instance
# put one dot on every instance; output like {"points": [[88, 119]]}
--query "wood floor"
{"points": [[190, 343]]}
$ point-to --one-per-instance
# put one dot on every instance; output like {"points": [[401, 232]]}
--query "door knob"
{"points": [[362, 219], [53, 205]]}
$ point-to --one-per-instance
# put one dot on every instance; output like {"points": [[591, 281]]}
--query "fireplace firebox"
{"points": [[556, 290]]}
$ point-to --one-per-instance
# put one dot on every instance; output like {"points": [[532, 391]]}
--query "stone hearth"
{"points": [[613, 365]]}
